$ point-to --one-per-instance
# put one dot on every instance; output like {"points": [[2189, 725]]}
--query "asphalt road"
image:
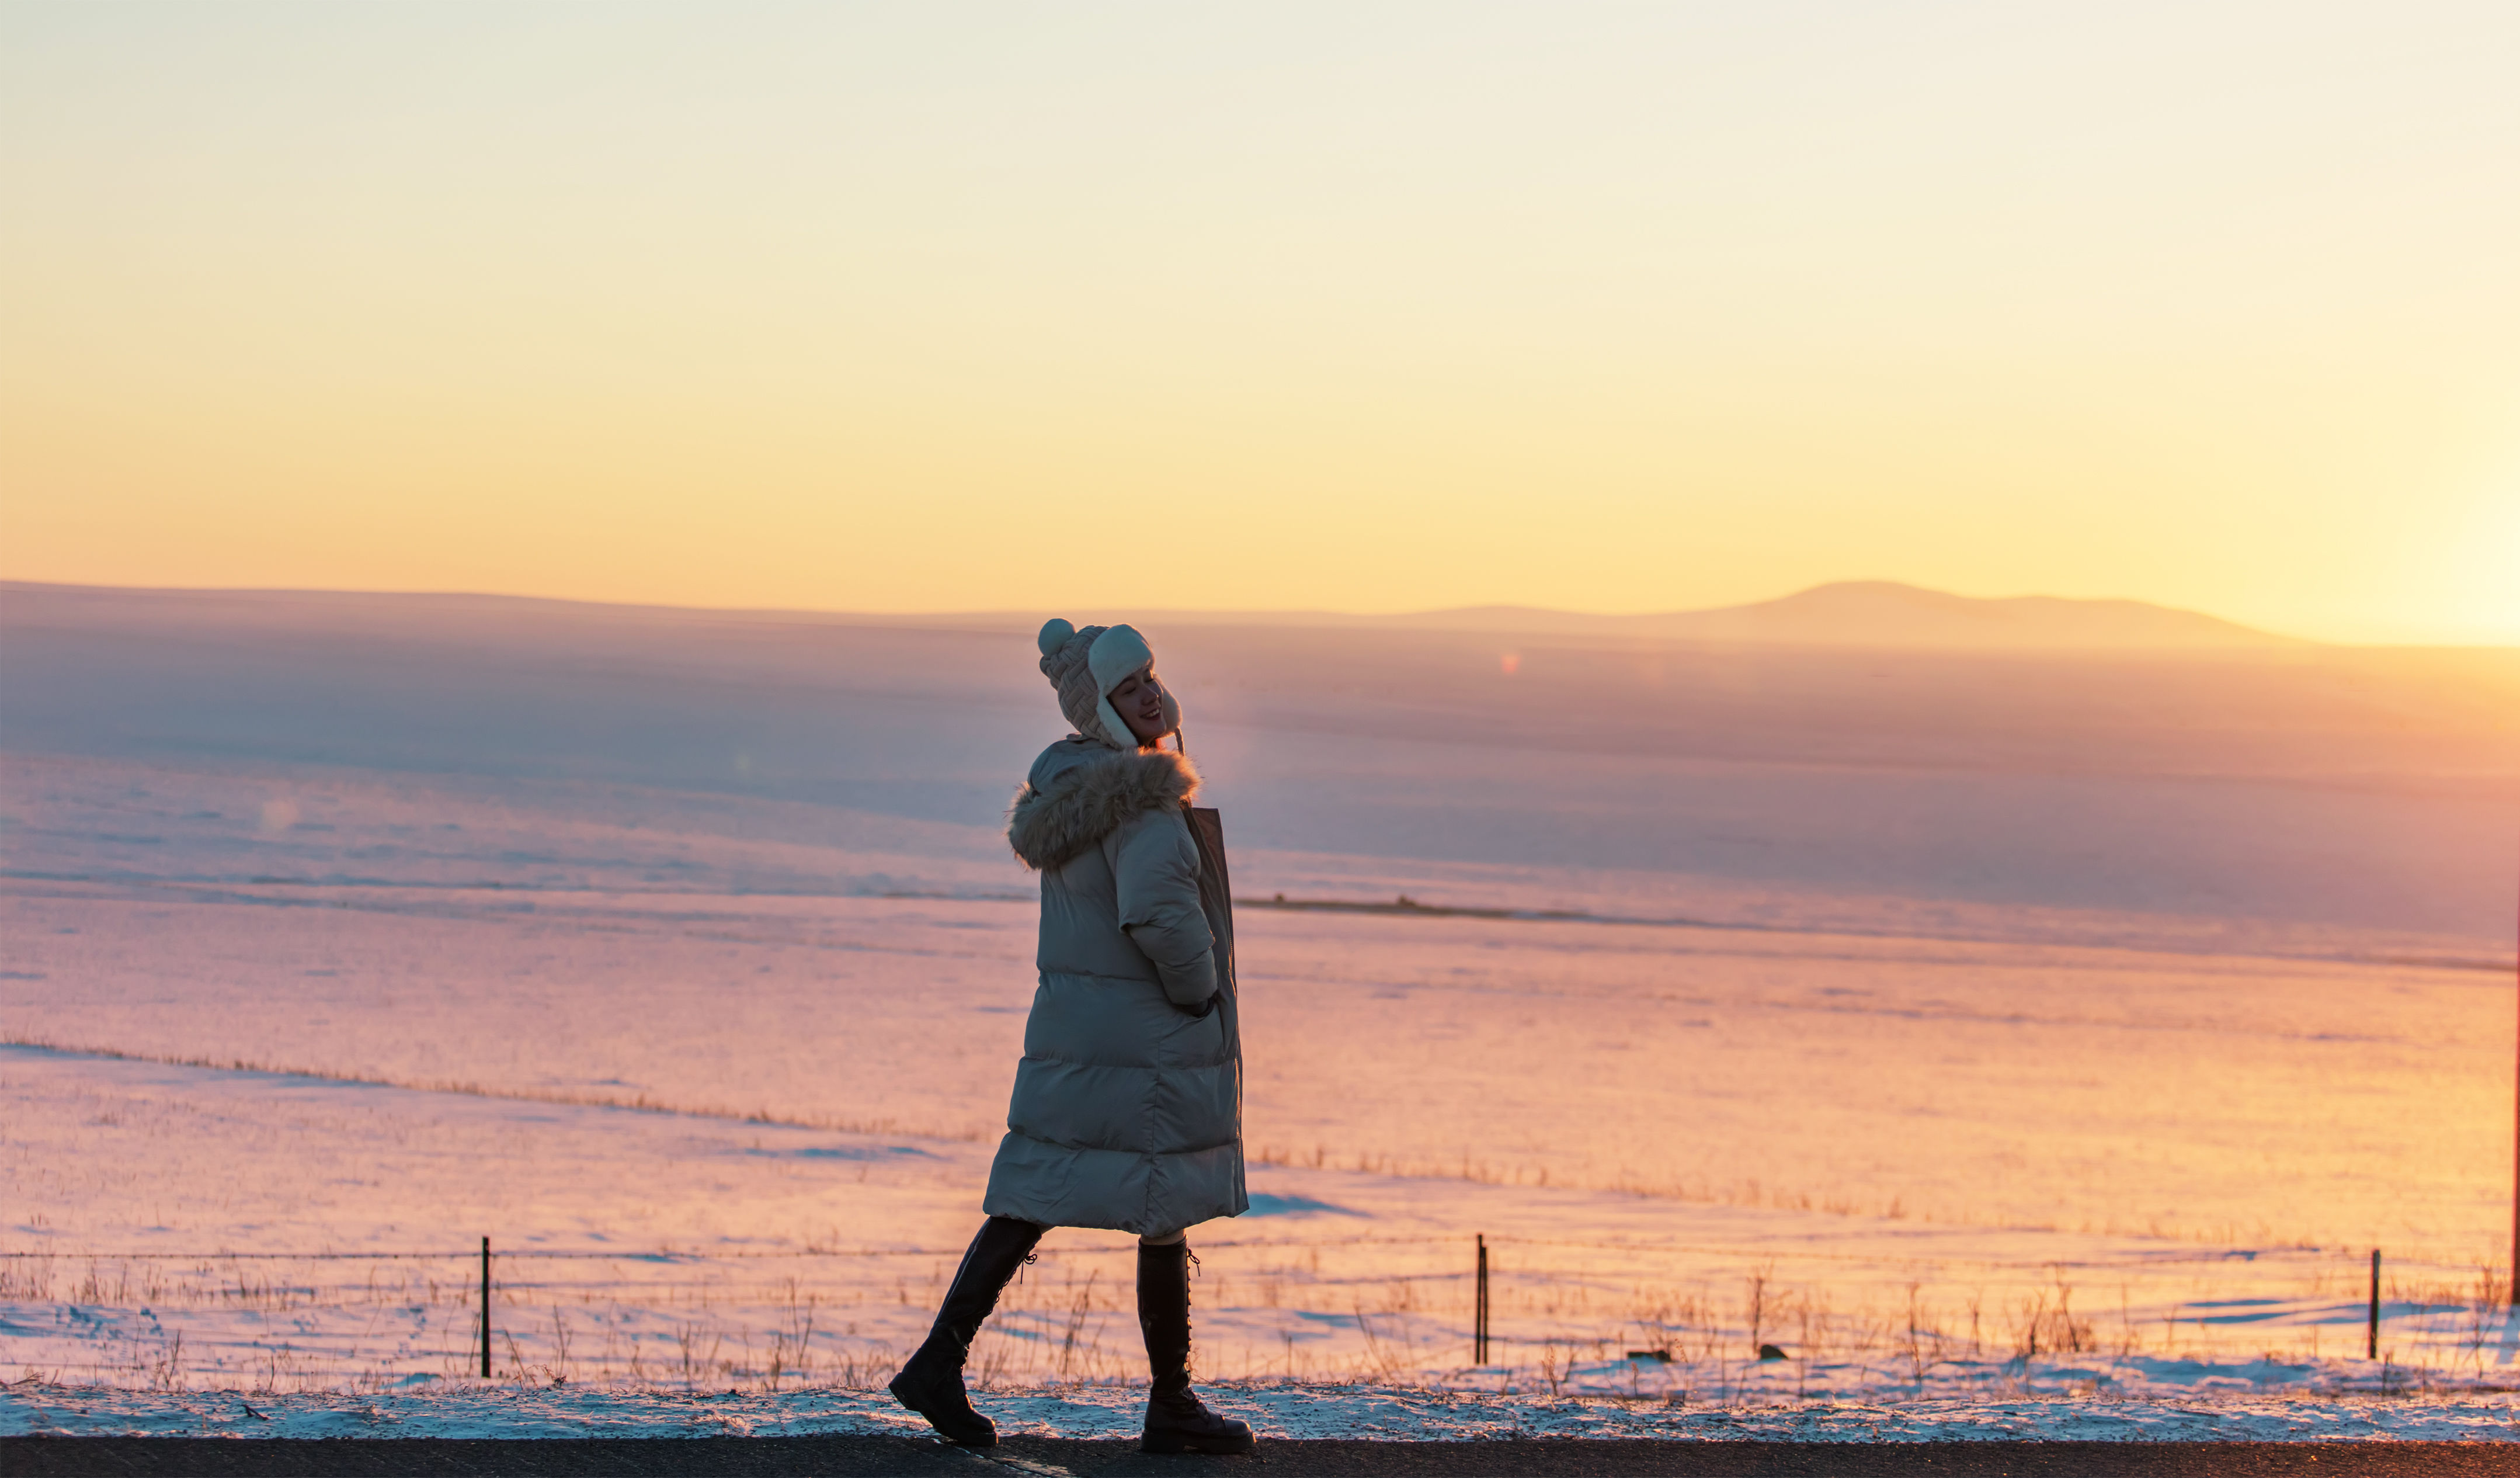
{"points": [[853, 1456]]}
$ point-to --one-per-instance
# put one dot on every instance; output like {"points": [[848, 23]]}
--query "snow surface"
{"points": [[622, 957], [2013, 1061], [722, 1128], [333, 1233], [452, 1409]]}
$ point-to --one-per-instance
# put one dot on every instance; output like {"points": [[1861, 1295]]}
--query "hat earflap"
{"points": [[1116, 654]]}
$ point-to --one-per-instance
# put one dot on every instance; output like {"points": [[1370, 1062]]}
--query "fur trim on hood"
{"points": [[1074, 809]]}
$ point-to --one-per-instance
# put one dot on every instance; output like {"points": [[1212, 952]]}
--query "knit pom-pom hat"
{"points": [[1086, 665]]}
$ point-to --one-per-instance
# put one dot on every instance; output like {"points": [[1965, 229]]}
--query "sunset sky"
{"points": [[938, 306]]}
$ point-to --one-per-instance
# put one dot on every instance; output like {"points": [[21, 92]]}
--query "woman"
{"points": [[1127, 1110]]}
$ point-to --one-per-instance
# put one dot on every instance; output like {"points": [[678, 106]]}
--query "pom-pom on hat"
{"points": [[1086, 665]]}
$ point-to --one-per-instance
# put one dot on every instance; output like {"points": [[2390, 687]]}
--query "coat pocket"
{"points": [[1192, 1109], [1194, 1041]]}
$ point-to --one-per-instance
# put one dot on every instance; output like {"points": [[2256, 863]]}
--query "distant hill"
{"points": [[1847, 614], [1887, 614]]}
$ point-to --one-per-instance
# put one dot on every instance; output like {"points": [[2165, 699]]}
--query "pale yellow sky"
{"points": [[1376, 308]]}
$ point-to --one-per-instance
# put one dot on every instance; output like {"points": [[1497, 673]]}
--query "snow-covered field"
{"points": [[1275, 1410], [719, 1073], [617, 954], [686, 1250], [726, 1138]]}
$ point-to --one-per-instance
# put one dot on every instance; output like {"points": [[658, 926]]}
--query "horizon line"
{"points": [[450, 593], [1222, 615]]}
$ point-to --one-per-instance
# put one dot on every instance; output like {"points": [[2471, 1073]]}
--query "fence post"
{"points": [[1479, 1328], [2372, 1349], [485, 1307]]}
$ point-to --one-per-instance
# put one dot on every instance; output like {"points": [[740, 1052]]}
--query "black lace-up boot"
{"points": [[932, 1384], [1176, 1422]]}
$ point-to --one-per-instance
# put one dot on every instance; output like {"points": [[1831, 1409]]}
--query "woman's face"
{"points": [[1139, 700]]}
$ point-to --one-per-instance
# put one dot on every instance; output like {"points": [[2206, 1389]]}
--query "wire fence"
{"points": [[1455, 1240], [1387, 1307]]}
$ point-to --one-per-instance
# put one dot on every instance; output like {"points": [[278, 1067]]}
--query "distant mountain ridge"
{"points": [[1862, 614], [1888, 614], [1872, 612]]}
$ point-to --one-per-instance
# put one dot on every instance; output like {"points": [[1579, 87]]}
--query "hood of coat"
{"points": [[1081, 792]]}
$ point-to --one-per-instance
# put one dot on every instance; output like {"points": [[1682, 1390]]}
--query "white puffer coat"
{"points": [[1127, 1110]]}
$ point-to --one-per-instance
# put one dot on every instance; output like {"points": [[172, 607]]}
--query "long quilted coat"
{"points": [[1127, 1110]]}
